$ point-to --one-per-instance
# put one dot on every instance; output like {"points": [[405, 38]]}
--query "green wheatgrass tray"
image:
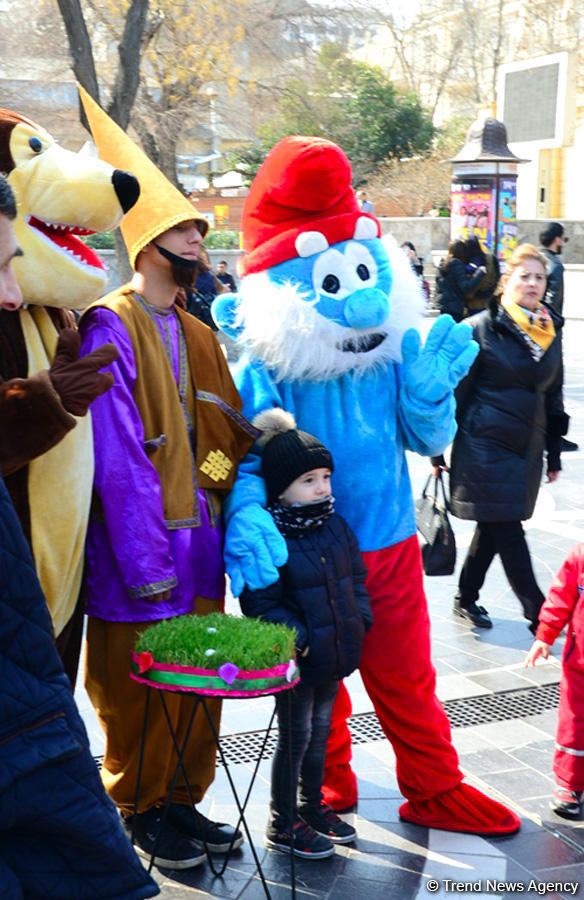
{"points": [[217, 655]]}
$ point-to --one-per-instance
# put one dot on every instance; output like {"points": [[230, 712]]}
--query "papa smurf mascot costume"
{"points": [[324, 315]]}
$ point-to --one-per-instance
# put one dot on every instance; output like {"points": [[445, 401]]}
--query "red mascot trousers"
{"points": [[400, 679]]}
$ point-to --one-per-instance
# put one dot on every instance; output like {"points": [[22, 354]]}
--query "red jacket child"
{"points": [[563, 606]]}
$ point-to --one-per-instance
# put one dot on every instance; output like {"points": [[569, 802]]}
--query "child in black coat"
{"points": [[321, 593]]}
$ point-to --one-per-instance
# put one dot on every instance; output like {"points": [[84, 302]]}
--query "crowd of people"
{"points": [[164, 526]]}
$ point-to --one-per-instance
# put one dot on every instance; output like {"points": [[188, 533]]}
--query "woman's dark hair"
{"points": [[473, 249], [409, 245], [455, 251]]}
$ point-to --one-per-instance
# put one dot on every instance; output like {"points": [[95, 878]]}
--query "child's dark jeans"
{"points": [[298, 765]]}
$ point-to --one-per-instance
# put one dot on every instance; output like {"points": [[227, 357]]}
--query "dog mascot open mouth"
{"points": [[66, 240]]}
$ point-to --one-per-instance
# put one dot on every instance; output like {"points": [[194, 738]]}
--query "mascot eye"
{"points": [[35, 144], [363, 272], [331, 284]]}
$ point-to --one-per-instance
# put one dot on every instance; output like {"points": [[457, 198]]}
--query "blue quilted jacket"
{"points": [[321, 593], [60, 835]]}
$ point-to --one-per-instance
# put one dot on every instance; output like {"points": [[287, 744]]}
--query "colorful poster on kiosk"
{"points": [[507, 218], [473, 209]]}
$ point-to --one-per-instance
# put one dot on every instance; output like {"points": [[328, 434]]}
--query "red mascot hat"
{"points": [[304, 184]]}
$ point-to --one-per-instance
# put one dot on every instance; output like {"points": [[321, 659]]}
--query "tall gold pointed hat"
{"points": [[160, 205]]}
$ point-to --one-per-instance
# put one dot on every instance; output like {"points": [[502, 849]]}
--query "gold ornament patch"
{"points": [[216, 465]]}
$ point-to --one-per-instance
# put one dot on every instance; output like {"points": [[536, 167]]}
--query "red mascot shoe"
{"points": [[464, 808]]}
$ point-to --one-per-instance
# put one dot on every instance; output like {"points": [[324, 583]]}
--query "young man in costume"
{"points": [[324, 315], [48, 464], [60, 836], [168, 441]]}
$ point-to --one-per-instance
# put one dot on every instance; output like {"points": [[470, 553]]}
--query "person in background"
{"points": [[552, 240], [206, 286], [478, 298], [224, 276], [453, 283], [563, 607], [417, 266], [320, 593], [365, 205], [509, 410]]}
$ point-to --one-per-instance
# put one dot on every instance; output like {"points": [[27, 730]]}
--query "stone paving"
{"points": [[509, 759]]}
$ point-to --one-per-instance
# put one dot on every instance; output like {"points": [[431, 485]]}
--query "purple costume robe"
{"points": [[131, 554]]}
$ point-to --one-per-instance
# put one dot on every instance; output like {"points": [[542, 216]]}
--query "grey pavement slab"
{"points": [[510, 759]]}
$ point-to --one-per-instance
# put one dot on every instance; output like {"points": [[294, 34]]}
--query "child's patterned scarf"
{"points": [[296, 520]]}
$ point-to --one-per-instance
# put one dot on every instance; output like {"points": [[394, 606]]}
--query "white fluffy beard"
{"points": [[282, 328]]}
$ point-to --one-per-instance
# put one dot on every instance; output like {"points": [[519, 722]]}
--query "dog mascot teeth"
{"points": [[49, 464], [326, 318]]}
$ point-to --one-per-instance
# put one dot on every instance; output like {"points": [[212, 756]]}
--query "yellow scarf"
{"points": [[59, 489], [537, 325]]}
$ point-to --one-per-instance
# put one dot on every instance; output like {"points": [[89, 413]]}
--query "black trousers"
{"points": [[508, 540], [298, 764]]}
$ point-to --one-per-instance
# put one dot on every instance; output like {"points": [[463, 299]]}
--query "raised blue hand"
{"points": [[431, 372], [254, 549]]}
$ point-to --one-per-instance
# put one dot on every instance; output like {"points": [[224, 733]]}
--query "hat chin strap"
{"points": [[174, 259]]}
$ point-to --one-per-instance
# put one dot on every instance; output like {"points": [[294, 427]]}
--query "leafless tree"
{"points": [[129, 50]]}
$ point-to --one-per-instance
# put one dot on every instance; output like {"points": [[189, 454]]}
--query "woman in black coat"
{"points": [[453, 282], [509, 410]]}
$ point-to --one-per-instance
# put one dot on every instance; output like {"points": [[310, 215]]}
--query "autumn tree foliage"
{"points": [[352, 103], [156, 69]]}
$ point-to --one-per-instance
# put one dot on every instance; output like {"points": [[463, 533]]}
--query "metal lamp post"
{"points": [[483, 193]]}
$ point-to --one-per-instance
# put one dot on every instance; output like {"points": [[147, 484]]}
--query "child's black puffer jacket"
{"points": [[321, 593]]}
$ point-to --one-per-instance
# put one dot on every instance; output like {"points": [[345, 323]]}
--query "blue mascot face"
{"points": [[348, 283], [326, 312]]}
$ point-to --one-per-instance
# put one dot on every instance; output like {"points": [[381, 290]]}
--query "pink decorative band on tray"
{"points": [[226, 681]]}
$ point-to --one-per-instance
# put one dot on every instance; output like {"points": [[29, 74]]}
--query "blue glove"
{"points": [[254, 548], [432, 372]]}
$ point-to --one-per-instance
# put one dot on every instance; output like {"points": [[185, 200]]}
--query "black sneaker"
{"points": [[325, 820], [474, 613], [173, 850], [306, 841], [566, 803], [218, 837]]}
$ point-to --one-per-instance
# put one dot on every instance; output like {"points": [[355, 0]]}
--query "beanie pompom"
{"points": [[272, 422]]}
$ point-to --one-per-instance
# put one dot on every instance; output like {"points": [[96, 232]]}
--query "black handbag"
{"points": [[439, 551]]}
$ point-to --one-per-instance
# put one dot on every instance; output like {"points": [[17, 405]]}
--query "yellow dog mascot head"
{"points": [[60, 195]]}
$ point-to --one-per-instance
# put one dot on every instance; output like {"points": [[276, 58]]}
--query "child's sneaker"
{"points": [[307, 843], [566, 803], [324, 819]]}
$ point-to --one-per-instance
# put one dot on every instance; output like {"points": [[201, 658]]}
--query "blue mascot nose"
{"points": [[366, 308]]}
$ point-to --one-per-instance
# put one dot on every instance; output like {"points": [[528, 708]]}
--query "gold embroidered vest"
{"points": [[211, 410]]}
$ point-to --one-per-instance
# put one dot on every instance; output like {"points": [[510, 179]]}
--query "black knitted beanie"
{"points": [[287, 452]]}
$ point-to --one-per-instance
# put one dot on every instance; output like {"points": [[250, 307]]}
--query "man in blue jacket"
{"points": [[60, 836]]}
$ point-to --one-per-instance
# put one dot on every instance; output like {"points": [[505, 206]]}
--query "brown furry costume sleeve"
{"points": [[32, 420]]}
